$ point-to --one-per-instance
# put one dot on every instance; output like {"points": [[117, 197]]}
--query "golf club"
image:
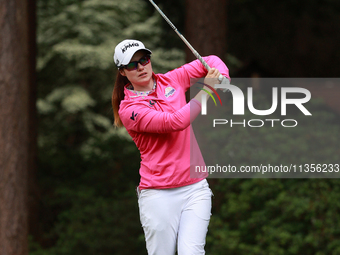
{"points": [[222, 79]]}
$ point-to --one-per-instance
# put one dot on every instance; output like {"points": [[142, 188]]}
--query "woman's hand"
{"points": [[212, 78]]}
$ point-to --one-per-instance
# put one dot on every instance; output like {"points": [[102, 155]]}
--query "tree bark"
{"points": [[34, 228], [206, 27], [14, 126]]}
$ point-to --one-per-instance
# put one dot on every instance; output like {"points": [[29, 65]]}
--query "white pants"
{"points": [[176, 216]]}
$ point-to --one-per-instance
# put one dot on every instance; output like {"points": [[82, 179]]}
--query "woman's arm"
{"points": [[195, 69], [140, 117]]}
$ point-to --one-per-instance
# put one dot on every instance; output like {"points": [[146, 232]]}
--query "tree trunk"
{"points": [[206, 30], [34, 228], [14, 126], [206, 27]]}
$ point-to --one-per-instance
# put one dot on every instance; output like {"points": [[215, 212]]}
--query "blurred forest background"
{"points": [[83, 172]]}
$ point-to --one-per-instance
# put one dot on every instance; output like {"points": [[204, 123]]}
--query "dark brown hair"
{"points": [[118, 96]]}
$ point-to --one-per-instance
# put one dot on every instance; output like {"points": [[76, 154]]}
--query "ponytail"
{"points": [[117, 97]]}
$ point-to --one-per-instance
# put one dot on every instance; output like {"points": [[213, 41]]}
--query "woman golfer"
{"points": [[174, 206]]}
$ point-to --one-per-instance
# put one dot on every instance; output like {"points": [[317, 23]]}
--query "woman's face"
{"points": [[140, 78]]}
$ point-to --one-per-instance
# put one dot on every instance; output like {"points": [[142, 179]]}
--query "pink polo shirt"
{"points": [[159, 124]]}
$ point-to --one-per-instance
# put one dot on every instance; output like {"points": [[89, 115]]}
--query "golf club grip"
{"points": [[224, 80], [198, 56]]}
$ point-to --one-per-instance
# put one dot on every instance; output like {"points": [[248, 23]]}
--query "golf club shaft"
{"points": [[198, 56]]}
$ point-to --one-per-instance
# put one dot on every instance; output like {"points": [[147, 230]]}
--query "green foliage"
{"points": [[78, 38], [97, 225], [275, 216]]}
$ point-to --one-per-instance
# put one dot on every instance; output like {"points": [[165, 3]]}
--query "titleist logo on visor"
{"points": [[129, 45]]}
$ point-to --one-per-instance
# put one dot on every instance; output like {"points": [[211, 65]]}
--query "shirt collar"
{"points": [[142, 93]]}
